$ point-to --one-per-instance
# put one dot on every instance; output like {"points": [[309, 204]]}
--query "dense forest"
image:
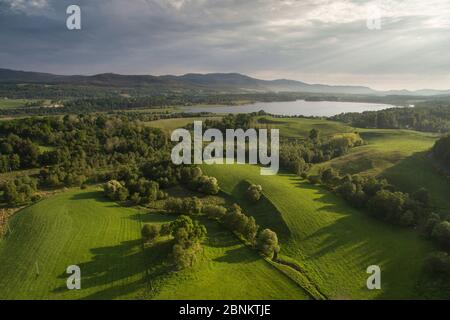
{"points": [[72, 150], [430, 117]]}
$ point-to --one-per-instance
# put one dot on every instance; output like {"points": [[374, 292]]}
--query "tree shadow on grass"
{"points": [[135, 289], [151, 217], [425, 176], [156, 266], [264, 211], [364, 241], [96, 195], [238, 255], [220, 238], [109, 265]]}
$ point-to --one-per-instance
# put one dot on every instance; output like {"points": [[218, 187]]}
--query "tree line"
{"points": [[441, 151], [429, 118], [233, 218], [383, 202]]}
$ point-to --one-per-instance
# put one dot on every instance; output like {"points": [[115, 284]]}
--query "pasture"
{"points": [[81, 227], [332, 242]]}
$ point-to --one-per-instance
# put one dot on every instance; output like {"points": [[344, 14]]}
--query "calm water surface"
{"points": [[296, 108]]}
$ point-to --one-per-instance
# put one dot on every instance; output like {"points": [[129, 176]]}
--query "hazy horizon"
{"points": [[313, 41]]}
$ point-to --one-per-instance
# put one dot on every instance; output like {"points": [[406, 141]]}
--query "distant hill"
{"points": [[223, 82]]}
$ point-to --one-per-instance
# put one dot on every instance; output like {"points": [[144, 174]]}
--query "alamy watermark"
{"points": [[238, 144], [73, 21], [74, 280], [374, 280]]}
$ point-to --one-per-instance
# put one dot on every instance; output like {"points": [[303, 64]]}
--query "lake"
{"points": [[295, 108]]}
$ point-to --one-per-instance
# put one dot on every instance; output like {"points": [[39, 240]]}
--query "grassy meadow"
{"points": [[12, 103], [333, 242], [73, 228], [82, 228], [300, 127], [401, 156]]}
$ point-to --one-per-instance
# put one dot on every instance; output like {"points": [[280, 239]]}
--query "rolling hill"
{"points": [[80, 227], [332, 242], [223, 82]]}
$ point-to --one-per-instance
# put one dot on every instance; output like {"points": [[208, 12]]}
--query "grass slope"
{"points": [[401, 156], [82, 228], [333, 242], [300, 127], [228, 270], [71, 228]]}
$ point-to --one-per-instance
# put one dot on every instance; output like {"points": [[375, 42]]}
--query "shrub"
{"points": [[150, 232], [191, 206], [174, 205], [267, 243], [114, 190], [438, 263], [254, 192], [214, 212], [441, 233], [329, 176], [208, 185], [387, 205], [432, 221]]}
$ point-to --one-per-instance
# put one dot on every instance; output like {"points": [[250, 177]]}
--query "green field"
{"points": [[71, 228], [229, 270], [401, 156], [84, 229], [300, 127], [11, 103], [14, 103], [333, 242]]}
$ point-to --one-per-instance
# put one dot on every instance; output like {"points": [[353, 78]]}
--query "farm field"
{"points": [[82, 228], [332, 242], [13, 103], [300, 127]]}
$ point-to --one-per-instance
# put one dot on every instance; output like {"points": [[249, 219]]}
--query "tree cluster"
{"points": [[432, 117], [194, 179], [20, 191], [187, 234], [245, 227], [297, 155], [384, 203]]}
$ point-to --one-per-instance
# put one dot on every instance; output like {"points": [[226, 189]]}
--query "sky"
{"points": [[383, 44]]}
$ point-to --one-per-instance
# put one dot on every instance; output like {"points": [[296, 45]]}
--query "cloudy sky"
{"points": [[316, 41]]}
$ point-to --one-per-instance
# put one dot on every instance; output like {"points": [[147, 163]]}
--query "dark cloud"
{"points": [[316, 41]]}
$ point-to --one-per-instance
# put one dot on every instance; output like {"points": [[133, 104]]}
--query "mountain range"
{"points": [[218, 82]]}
